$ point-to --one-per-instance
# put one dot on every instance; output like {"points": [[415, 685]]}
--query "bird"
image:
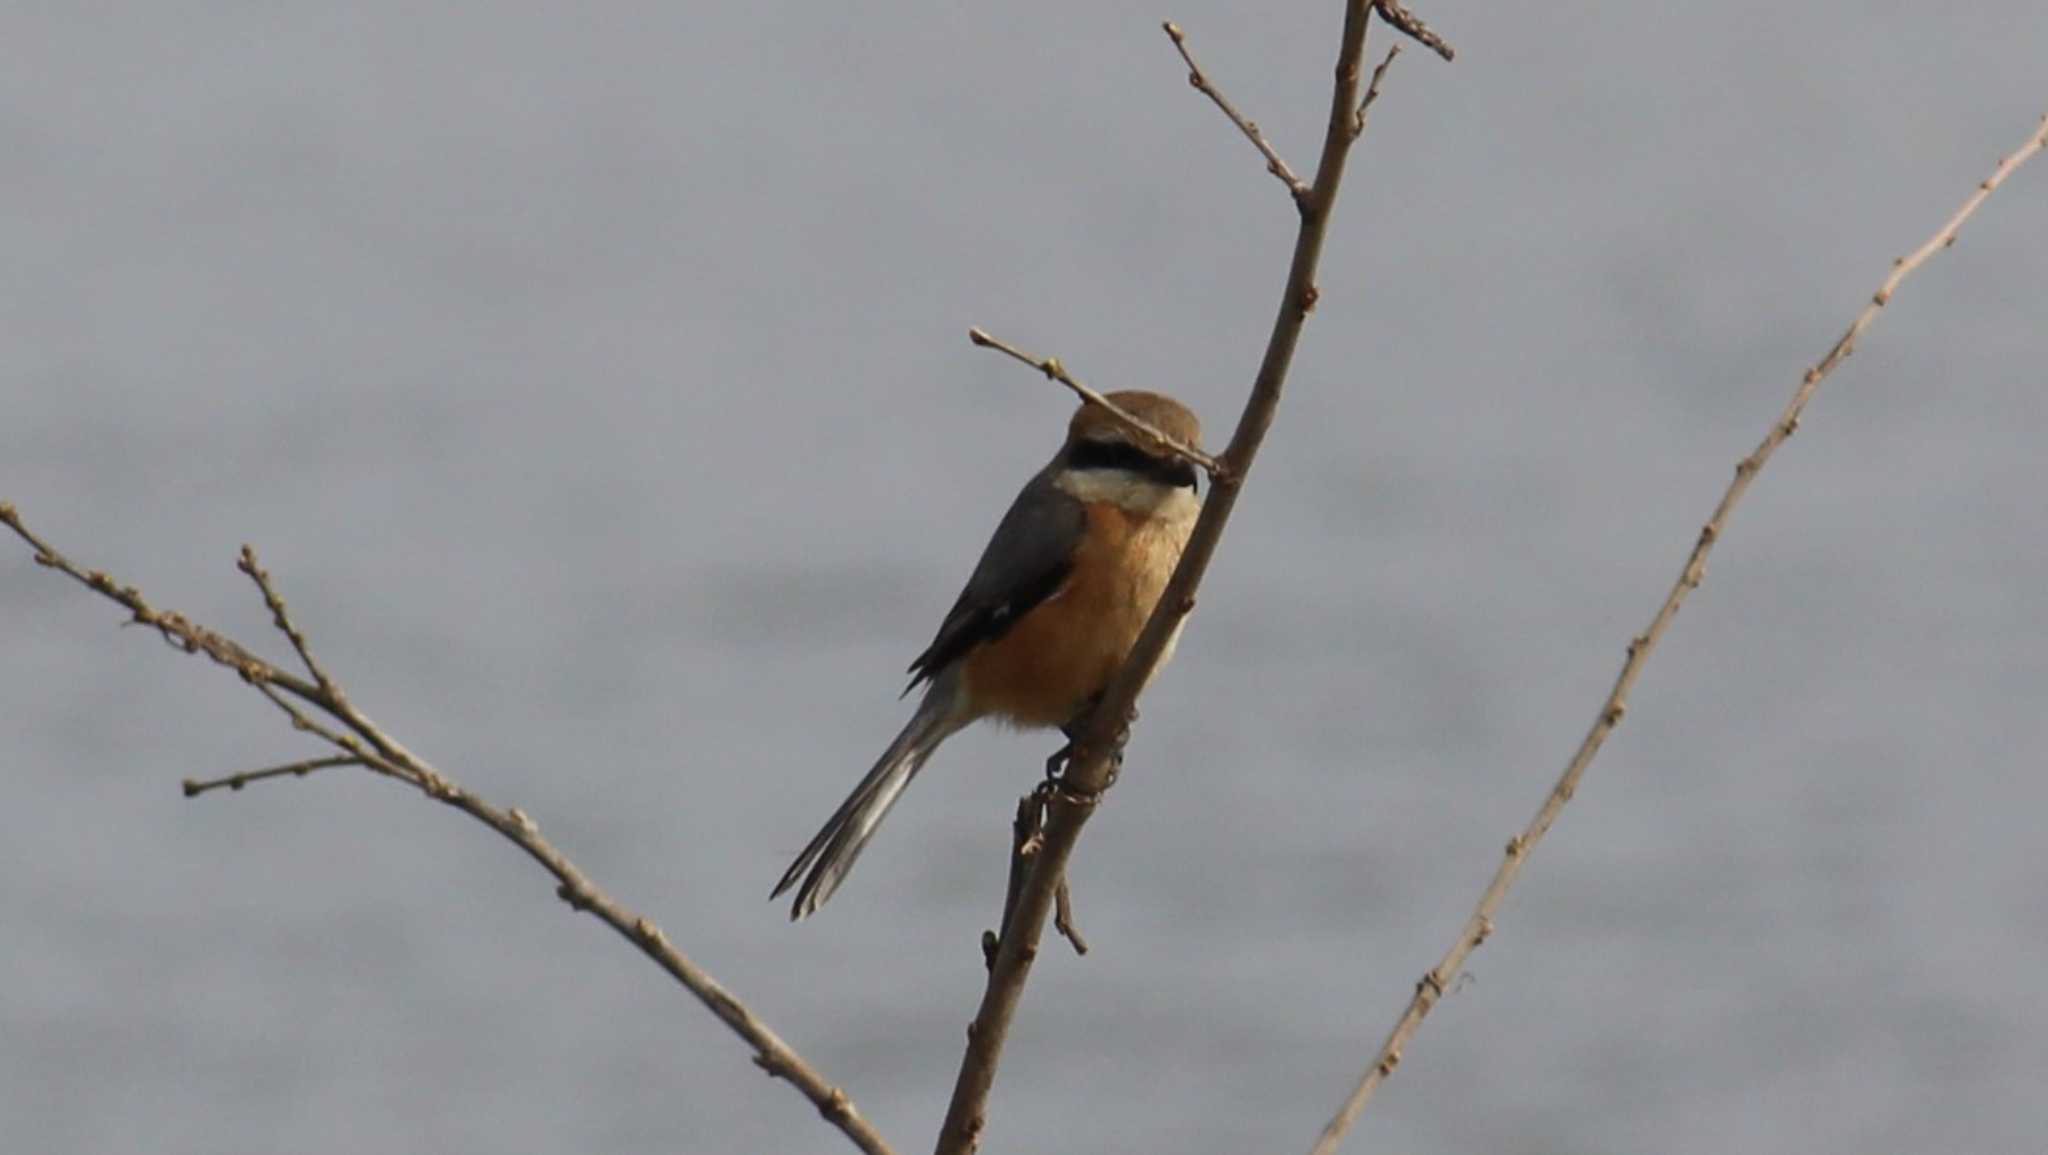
{"points": [[1047, 616]]}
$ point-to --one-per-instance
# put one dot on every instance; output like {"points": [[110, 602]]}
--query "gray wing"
{"points": [[1025, 563]]}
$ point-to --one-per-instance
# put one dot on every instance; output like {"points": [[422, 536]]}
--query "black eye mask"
{"points": [[1128, 458]]}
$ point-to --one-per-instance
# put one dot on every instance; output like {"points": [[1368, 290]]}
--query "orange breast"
{"points": [[1065, 650]]}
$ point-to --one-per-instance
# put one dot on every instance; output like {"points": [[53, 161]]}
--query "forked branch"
{"points": [[361, 742]]}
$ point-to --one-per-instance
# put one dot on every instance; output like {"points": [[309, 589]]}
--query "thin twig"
{"points": [[1063, 917], [361, 740], [1196, 77], [281, 617], [1372, 90], [173, 628], [304, 723], [331, 699], [1480, 925], [1024, 844], [1089, 758], [197, 786], [1409, 23], [1052, 368]]}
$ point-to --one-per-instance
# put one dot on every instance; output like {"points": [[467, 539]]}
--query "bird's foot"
{"points": [[1057, 764]]}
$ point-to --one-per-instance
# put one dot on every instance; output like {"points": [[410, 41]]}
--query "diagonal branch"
{"points": [[1052, 368], [1372, 90], [1411, 25], [361, 740], [1200, 81], [1063, 917], [196, 786], [305, 723], [175, 629], [281, 617], [1480, 925], [1089, 758]]}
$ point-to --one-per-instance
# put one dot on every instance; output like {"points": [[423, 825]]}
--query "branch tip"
{"points": [[1054, 370], [1063, 918], [1411, 25], [1200, 82], [194, 787], [1372, 90]]}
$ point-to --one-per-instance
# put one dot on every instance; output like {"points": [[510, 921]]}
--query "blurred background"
{"points": [[595, 383]]}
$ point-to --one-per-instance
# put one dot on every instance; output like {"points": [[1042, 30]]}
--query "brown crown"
{"points": [[1155, 409]]}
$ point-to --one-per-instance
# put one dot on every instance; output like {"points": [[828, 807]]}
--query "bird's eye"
{"points": [[1110, 455], [1124, 457]]}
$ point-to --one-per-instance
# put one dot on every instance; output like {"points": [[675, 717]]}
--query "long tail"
{"points": [[824, 863]]}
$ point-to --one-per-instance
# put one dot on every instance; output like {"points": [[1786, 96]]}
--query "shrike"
{"points": [[1048, 616]]}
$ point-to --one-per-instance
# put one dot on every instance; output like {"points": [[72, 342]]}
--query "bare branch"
{"points": [[1480, 925], [195, 786], [280, 617], [174, 628], [1196, 77], [361, 741], [1372, 90], [1024, 844], [1090, 755], [1410, 24], [1052, 368], [305, 723], [1063, 917]]}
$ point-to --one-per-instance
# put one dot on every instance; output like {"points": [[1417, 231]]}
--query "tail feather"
{"points": [[831, 853]]}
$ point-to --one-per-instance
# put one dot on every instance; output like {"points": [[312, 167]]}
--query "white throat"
{"points": [[1131, 492]]}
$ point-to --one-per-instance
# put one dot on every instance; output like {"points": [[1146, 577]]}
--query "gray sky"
{"points": [[595, 383]]}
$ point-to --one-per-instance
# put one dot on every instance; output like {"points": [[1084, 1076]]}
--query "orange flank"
{"points": [[1044, 670]]}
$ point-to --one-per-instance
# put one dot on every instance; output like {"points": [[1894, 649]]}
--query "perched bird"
{"points": [[1048, 616]]}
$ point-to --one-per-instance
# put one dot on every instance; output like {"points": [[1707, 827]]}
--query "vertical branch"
{"points": [[1088, 766]]}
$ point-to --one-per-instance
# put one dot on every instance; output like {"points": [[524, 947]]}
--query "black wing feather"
{"points": [[1025, 563]]}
